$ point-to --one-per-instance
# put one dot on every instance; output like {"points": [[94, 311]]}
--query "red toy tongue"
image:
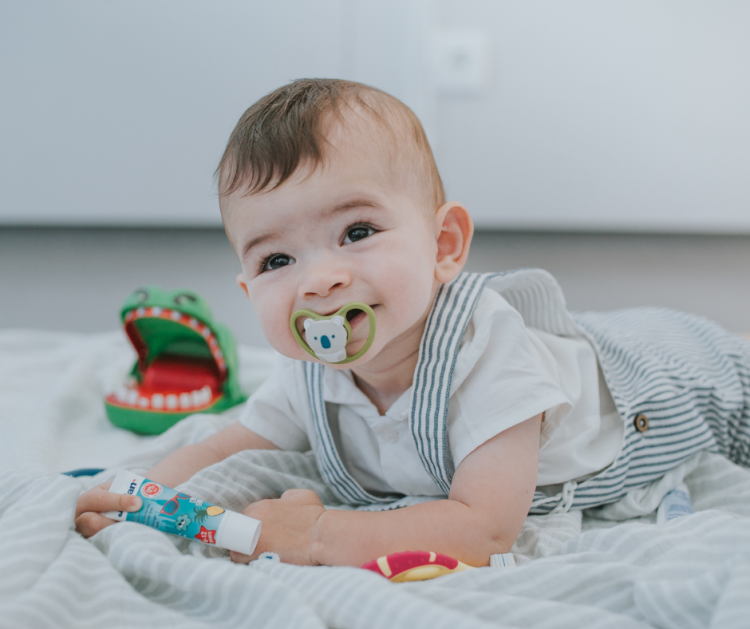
{"points": [[175, 374]]}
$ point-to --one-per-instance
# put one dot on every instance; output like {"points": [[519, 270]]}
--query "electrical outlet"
{"points": [[460, 61]]}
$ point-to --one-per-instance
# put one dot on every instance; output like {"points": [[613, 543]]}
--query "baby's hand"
{"points": [[89, 519], [288, 526]]}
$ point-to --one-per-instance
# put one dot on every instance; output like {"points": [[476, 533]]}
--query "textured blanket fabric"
{"points": [[574, 569]]}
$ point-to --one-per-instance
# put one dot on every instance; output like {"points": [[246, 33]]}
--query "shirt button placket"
{"points": [[389, 435]]}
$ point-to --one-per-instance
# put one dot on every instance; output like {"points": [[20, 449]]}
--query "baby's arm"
{"points": [[170, 471], [490, 497], [182, 464]]}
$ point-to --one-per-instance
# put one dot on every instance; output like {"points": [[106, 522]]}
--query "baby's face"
{"points": [[346, 231]]}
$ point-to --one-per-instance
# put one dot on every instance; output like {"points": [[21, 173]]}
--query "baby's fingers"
{"points": [[88, 524], [91, 504], [239, 557], [100, 500]]}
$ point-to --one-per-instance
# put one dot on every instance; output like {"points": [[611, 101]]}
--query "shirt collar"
{"points": [[339, 388]]}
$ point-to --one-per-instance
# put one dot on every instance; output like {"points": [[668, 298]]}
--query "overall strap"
{"points": [[537, 297], [331, 467], [441, 340], [534, 293], [438, 351]]}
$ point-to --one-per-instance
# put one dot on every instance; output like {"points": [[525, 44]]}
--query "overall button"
{"points": [[641, 422]]}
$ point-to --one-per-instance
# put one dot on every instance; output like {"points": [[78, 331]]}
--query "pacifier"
{"points": [[327, 337]]}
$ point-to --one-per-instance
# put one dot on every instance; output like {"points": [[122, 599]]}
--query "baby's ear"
{"points": [[454, 232], [307, 323], [338, 320]]}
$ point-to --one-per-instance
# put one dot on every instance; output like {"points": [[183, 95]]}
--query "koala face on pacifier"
{"points": [[326, 337]]}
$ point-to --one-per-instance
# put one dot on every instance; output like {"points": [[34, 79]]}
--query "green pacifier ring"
{"points": [[345, 327]]}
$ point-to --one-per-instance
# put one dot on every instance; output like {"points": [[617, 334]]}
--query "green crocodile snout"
{"points": [[187, 362]]}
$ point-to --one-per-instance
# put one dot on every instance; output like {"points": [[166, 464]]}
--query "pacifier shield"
{"points": [[327, 337]]}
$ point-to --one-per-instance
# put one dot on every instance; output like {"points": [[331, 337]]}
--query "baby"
{"points": [[481, 398]]}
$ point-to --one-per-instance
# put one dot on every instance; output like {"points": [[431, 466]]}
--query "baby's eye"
{"points": [[276, 261], [358, 232]]}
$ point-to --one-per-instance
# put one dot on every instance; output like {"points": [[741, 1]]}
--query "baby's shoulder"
{"points": [[494, 318], [492, 304], [287, 375], [535, 295], [494, 341]]}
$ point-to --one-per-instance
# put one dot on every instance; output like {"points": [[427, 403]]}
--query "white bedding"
{"points": [[573, 570]]}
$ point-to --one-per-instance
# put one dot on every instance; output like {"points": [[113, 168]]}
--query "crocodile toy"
{"points": [[187, 363]]}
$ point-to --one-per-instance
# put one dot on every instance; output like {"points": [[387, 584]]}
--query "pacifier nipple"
{"points": [[327, 337]]}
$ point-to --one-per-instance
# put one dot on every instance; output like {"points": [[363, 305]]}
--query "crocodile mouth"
{"points": [[180, 368]]}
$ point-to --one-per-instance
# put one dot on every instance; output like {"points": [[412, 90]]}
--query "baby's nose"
{"points": [[323, 278]]}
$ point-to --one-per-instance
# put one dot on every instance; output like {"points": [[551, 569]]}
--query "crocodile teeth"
{"points": [[140, 312], [201, 397], [198, 398], [171, 401], [157, 401], [121, 394], [144, 402], [176, 316], [131, 397], [156, 311], [186, 400]]}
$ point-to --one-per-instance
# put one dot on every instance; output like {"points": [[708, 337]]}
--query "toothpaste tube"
{"points": [[179, 514], [676, 503]]}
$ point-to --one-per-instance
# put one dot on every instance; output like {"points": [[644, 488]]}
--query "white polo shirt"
{"points": [[505, 374]]}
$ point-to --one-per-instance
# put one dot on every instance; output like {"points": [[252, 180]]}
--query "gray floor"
{"points": [[76, 279]]}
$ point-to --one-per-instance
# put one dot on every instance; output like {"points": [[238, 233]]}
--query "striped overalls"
{"points": [[681, 384]]}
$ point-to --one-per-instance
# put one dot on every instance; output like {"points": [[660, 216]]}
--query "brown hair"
{"points": [[288, 127]]}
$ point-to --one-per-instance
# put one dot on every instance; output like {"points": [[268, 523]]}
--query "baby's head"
{"points": [[330, 194]]}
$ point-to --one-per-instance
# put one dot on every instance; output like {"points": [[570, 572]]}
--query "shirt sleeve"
{"points": [[270, 412], [501, 380]]}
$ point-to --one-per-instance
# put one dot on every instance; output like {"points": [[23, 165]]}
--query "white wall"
{"points": [[118, 112], [619, 115], [632, 114]]}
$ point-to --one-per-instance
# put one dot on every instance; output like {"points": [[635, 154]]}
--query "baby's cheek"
{"points": [[269, 305], [410, 285], [414, 301], [279, 335]]}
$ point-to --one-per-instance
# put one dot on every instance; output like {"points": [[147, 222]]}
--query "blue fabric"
{"points": [[84, 471]]}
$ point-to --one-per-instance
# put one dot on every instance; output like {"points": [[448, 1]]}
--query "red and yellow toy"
{"points": [[415, 565]]}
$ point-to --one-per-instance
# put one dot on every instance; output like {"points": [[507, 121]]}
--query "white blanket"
{"points": [[573, 570]]}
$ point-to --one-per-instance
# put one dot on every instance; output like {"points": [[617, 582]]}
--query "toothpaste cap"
{"points": [[238, 532]]}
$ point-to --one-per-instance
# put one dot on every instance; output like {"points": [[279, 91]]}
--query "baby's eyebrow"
{"points": [[353, 204], [256, 241]]}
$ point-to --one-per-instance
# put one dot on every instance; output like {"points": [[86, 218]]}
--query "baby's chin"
{"points": [[291, 349], [296, 352]]}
